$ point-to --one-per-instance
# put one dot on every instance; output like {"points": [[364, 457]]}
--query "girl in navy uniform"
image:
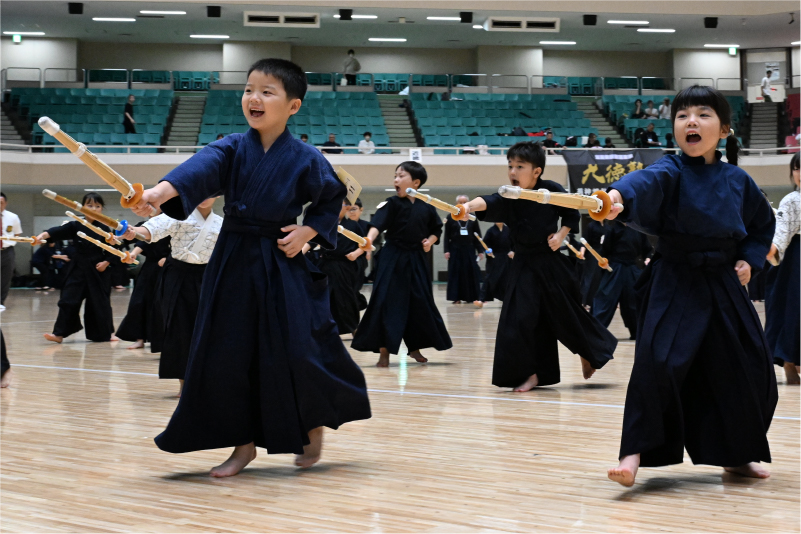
{"points": [[703, 377]]}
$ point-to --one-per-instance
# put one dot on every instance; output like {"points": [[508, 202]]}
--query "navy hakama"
{"points": [[625, 248], [542, 305], [402, 305], [343, 279], [84, 282], [179, 299], [702, 377], [464, 275], [142, 321], [497, 271], [266, 363]]}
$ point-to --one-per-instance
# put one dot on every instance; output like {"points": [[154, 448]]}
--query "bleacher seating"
{"points": [[94, 116], [451, 122], [348, 115], [194, 80]]}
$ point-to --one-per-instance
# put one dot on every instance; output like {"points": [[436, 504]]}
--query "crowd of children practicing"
{"points": [[249, 310]]}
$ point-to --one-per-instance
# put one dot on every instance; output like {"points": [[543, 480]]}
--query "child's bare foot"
{"points": [[752, 470], [586, 369], [239, 459], [113, 338], [383, 358], [791, 373], [418, 357], [625, 473], [478, 304], [528, 385], [312, 451], [8, 377], [457, 301], [139, 344], [54, 338]]}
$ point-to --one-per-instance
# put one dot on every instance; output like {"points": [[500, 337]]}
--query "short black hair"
{"points": [[529, 152], [365, 134], [92, 196], [417, 171], [358, 202], [304, 136], [291, 75], [347, 201], [702, 95], [769, 71], [794, 166], [3, 195], [351, 52]]}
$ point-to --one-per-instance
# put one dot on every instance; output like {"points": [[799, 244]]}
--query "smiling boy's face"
{"points": [[523, 174], [265, 103], [698, 130]]}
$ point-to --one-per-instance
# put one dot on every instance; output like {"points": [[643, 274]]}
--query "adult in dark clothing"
{"points": [[461, 247], [402, 306], [625, 249], [88, 278], [499, 240], [549, 142], [592, 141], [591, 273], [332, 142], [638, 112], [650, 137], [128, 116], [144, 322]]}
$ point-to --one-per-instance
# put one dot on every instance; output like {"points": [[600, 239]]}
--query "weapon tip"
{"points": [[49, 125], [49, 194], [509, 191], [411, 191]]}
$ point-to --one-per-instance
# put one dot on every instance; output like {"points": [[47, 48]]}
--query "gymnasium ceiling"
{"points": [[750, 24]]}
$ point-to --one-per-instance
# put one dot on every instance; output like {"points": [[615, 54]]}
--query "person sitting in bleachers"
{"points": [[608, 143], [664, 109], [638, 112], [332, 142], [669, 140], [651, 112], [366, 146], [650, 137], [550, 143], [304, 138], [592, 141]]}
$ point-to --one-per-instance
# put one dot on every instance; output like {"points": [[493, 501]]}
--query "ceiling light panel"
{"points": [[359, 16], [656, 30], [456, 19], [387, 39], [112, 19], [557, 42], [162, 12], [201, 36], [721, 46], [630, 22], [24, 33]]}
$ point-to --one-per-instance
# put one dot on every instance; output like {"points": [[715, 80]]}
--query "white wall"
{"points": [[379, 59], [614, 64], [705, 64], [240, 55], [152, 56], [509, 60], [38, 53]]}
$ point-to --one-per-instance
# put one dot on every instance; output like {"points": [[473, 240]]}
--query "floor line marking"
{"points": [[418, 393]]}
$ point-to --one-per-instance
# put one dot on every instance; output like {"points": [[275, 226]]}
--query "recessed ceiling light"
{"points": [[112, 19], [478, 27], [721, 46], [796, 43], [209, 36], [457, 19], [23, 33], [656, 30], [630, 22], [359, 16], [557, 42], [162, 12], [387, 39]]}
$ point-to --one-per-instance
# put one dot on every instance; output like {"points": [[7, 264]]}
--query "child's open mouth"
{"points": [[515, 183], [397, 189], [256, 113], [693, 138]]}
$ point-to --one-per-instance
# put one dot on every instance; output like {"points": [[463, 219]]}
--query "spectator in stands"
{"points": [[669, 141], [332, 142], [608, 143], [638, 112], [519, 131], [766, 87], [127, 120], [639, 138], [571, 142], [366, 146], [664, 109], [592, 142], [351, 67], [304, 138], [220, 136], [650, 137], [550, 143], [651, 112], [446, 96]]}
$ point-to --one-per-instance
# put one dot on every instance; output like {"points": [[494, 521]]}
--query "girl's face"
{"points": [[797, 177], [94, 206], [403, 180], [265, 103], [698, 131], [523, 174], [355, 213]]}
